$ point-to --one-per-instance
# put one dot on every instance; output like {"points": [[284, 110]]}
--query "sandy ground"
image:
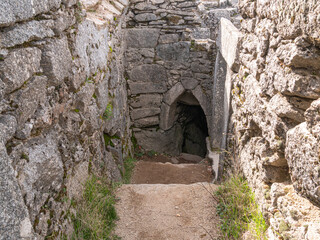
{"points": [[167, 212]]}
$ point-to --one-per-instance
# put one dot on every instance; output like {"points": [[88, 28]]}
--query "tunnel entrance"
{"points": [[194, 125]]}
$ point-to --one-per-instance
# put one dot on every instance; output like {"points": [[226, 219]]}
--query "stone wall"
{"points": [[62, 90], [276, 112], [170, 59]]}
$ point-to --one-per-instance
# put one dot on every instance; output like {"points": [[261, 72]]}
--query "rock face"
{"points": [[275, 105], [62, 87]]}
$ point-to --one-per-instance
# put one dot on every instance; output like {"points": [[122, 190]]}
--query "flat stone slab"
{"points": [[161, 212], [229, 41]]}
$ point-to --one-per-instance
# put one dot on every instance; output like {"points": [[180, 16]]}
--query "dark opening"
{"points": [[194, 127]]}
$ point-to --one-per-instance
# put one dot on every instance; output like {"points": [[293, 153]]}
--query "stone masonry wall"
{"points": [[276, 112], [170, 57], [62, 90]]}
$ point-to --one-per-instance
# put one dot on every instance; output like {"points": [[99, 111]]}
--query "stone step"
{"points": [[161, 212], [168, 173]]}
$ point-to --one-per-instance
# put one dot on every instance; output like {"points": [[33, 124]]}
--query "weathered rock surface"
{"points": [[56, 61], [62, 86], [302, 152], [142, 38], [19, 66], [42, 175], [276, 110], [15, 221]]}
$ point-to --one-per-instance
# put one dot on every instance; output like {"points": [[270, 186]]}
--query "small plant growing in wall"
{"points": [[108, 112]]}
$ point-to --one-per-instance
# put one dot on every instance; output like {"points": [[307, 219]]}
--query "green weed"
{"points": [[128, 168], [108, 112], [151, 153], [238, 210], [95, 213]]}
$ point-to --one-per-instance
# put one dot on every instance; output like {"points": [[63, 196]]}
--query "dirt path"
{"points": [[168, 173], [180, 209], [163, 212]]}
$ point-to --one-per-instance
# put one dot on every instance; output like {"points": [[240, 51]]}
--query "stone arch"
{"points": [[178, 93]]}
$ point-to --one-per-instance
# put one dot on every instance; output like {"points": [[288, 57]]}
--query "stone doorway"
{"points": [[193, 122], [194, 129]]}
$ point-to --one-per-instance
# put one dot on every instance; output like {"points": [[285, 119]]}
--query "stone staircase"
{"points": [[168, 201]]}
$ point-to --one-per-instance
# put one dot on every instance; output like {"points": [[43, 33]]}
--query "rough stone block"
{"points": [[14, 217], [148, 73], [174, 51], [142, 38], [189, 83], [199, 67], [8, 126], [144, 112], [19, 66], [91, 45], [145, 17], [282, 107], [313, 118], [201, 33], [147, 122], [299, 57], [302, 153], [173, 94], [204, 100], [147, 52], [229, 43], [144, 6], [167, 116], [147, 87], [12, 11], [220, 104], [146, 100], [296, 82], [272, 127], [42, 174], [28, 100], [168, 142], [75, 183], [56, 61], [168, 38], [25, 32], [83, 97]]}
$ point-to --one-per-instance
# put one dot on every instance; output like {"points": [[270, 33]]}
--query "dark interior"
{"points": [[194, 127]]}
